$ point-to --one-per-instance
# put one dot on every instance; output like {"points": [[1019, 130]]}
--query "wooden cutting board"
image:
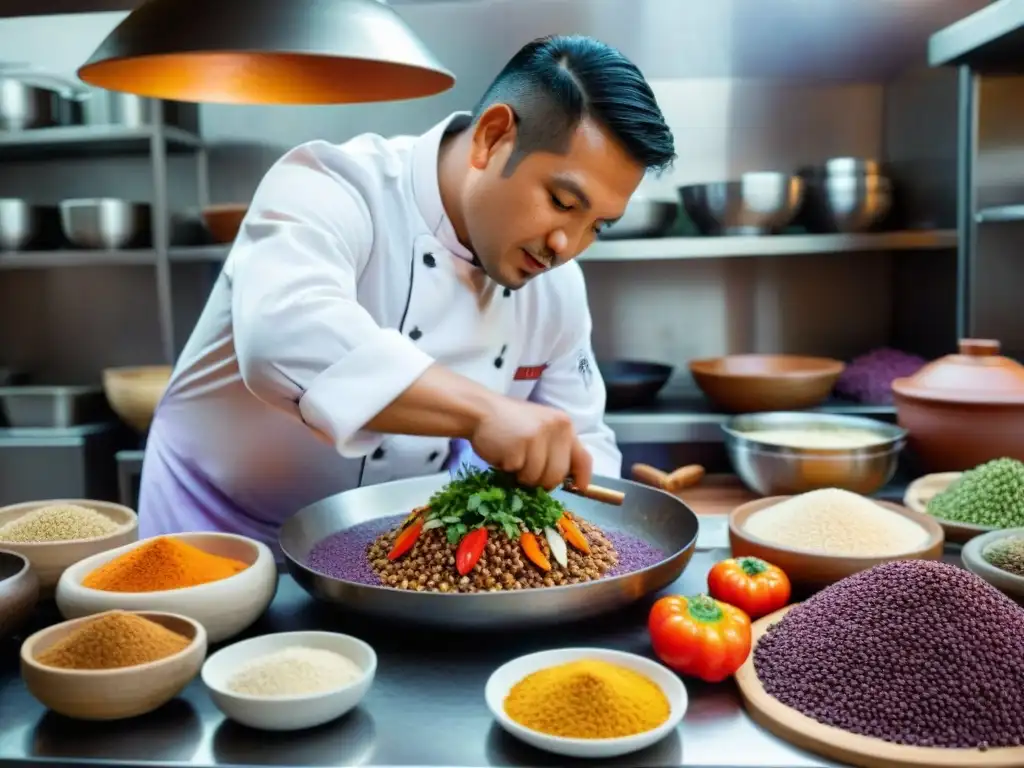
{"points": [[717, 495], [837, 744]]}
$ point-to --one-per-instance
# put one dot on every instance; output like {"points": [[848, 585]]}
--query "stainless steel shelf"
{"points": [[87, 140], [73, 258], [989, 40], [673, 248], [766, 245], [691, 419], [1000, 213]]}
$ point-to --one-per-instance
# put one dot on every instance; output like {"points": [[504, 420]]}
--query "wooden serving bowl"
{"points": [[49, 559], [927, 487], [19, 591], [809, 571], [223, 221], [750, 383], [134, 393], [112, 694]]}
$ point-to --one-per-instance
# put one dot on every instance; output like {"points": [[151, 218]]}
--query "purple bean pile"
{"points": [[913, 652]]}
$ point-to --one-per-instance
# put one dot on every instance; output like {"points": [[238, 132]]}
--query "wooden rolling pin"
{"points": [[673, 482], [595, 492]]}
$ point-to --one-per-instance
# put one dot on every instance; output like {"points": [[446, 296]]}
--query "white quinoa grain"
{"points": [[58, 522], [836, 522], [294, 671]]}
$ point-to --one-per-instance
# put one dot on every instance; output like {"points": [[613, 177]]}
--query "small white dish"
{"points": [[506, 676], [224, 607], [288, 713]]}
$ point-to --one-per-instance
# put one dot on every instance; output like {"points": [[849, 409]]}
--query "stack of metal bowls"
{"points": [[845, 194]]}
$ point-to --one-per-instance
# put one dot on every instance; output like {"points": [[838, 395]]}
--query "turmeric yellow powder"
{"points": [[161, 563], [587, 699]]}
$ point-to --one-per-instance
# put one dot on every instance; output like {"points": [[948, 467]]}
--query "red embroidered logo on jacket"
{"points": [[529, 372]]}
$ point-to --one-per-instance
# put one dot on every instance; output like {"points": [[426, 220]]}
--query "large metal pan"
{"points": [[650, 514]]}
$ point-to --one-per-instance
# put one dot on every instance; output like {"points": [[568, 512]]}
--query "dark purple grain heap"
{"points": [[913, 652]]}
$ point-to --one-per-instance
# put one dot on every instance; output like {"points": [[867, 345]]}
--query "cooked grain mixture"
{"points": [[58, 522], [430, 564], [913, 652], [294, 671], [836, 522]]}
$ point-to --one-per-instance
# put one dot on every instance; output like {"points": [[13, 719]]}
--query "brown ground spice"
{"points": [[114, 640], [430, 565]]}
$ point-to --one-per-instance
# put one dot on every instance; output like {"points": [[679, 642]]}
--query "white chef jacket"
{"points": [[346, 281]]}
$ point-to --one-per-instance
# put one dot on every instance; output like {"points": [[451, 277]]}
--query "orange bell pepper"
{"points": [[755, 587], [699, 636]]}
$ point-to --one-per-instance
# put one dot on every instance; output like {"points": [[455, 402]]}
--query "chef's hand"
{"points": [[536, 443]]}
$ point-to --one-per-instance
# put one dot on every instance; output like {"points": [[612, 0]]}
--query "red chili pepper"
{"points": [[405, 540], [470, 549]]}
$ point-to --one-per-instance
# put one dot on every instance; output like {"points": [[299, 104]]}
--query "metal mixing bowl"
{"points": [[24, 226], [756, 204], [652, 515], [774, 470], [642, 218], [105, 223]]}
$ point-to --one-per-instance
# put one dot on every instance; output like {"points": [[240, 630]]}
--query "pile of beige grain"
{"points": [[57, 522], [831, 521]]}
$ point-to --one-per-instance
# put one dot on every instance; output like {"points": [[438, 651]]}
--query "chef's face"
{"points": [[529, 210]]}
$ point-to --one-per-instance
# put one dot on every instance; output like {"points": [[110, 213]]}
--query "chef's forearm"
{"points": [[440, 403]]}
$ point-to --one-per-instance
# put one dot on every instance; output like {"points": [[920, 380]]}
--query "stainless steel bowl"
{"points": [[774, 470], [756, 204], [24, 106], [652, 515], [643, 218], [846, 203], [24, 226], [105, 223]]}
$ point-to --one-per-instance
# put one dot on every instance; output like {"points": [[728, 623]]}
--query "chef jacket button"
{"points": [[507, 292], [378, 454], [433, 456], [415, 334], [429, 260]]}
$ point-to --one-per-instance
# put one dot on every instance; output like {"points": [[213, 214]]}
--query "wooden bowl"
{"points": [[224, 607], [748, 383], [848, 748], [134, 393], [927, 487], [1006, 582], [223, 221], [19, 591], [810, 570], [49, 559], [112, 694]]}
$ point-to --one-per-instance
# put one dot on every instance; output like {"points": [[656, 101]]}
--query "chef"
{"points": [[393, 306]]}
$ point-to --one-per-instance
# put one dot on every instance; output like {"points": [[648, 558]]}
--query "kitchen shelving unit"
{"points": [[987, 48], [158, 140]]}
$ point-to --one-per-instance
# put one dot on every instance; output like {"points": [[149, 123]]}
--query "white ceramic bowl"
{"points": [[50, 558], [288, 713], [506, 676], [224, 607], [112, 694]]}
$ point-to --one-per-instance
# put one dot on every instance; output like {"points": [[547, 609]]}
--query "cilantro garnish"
{"points": [[490, 497]]}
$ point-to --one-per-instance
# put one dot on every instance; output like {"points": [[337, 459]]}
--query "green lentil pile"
{"points": [[990, 495], [1007, 554]]}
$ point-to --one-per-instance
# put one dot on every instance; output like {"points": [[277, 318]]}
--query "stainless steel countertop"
{"points": [[426, 706]]}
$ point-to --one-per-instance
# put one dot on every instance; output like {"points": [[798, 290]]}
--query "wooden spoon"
{"points": [[673, 482], [595, 492]]}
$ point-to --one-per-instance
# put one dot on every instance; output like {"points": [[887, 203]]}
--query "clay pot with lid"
{"points": [[964, 409]]}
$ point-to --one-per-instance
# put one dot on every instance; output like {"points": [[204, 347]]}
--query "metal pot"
{"points": [[102, 107], [24, 106], [25, 227], [106, 223]]}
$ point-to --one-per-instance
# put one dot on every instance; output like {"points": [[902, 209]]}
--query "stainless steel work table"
{"points": [[426, 706]]}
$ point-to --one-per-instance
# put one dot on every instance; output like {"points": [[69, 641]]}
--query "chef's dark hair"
{"points": [[554, 82]]}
